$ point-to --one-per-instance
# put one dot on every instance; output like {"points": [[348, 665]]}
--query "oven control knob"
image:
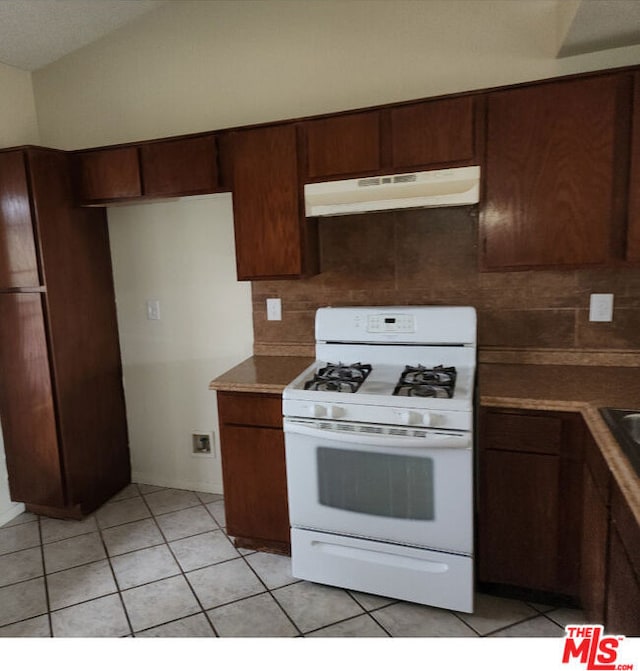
{"points": [[409, 417], [318, 410], [336, 412]]}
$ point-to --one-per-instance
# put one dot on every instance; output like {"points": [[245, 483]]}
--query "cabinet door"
{"points": [[518, 521], [342, 145], [593, 565], [555, 174], [623, 584], [436, 133], [179, 167], [108, 174], [255, 483], [530, 500], [623, 590], [633, 234], [267, 204], [26, 403], [18, 259], [82, 331]]}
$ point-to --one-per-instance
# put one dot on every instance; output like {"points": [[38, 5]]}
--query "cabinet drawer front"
{"points": [[521, 433], [250, 409]]}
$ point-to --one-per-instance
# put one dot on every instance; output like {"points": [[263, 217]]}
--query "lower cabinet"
{"points": [[529, 498], [253, 470], [623, 583], [553, 524], [596, 483]]}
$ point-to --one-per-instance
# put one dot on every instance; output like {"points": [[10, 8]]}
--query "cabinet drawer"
{"points": [[521, 432], [250, 409]]}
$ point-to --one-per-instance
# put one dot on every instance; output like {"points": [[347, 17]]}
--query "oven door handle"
{"points": [[432, 439]]}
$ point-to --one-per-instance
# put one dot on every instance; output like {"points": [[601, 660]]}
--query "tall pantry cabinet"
{"points": [[61, 399]]}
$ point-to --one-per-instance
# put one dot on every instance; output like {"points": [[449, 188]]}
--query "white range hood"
{"points": [[435, 188]]}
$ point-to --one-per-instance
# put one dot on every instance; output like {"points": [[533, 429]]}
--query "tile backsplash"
{"points": [[430, 257]]}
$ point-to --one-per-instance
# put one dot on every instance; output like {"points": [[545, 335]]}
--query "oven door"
{"points": [[381, 483]]}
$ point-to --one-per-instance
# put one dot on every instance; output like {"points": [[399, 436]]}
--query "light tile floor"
{"points": [[156, 562]]}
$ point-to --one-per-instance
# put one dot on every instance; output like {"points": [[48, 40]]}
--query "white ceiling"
{"points": [[34, 33], [602, 24]]}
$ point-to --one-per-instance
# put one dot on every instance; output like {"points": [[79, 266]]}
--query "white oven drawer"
{"points": [[421, 576]]}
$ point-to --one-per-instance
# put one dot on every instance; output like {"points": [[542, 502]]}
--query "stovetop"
{"points": [[390, 365]]}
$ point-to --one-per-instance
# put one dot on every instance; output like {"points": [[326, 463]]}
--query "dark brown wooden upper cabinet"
{"points": [[271, 232], [343, 145], [109, 174], [433, 133], [555, 174], [179, 167], [18, 256], [633, 233], [156, 169]]}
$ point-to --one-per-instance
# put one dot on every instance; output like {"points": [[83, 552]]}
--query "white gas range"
{"points": [[379, 451]]}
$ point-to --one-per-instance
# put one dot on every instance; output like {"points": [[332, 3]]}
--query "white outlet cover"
{"points": [[601, 308], [274, 309]]}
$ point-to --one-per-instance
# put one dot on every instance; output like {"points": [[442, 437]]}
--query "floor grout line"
{"points": [[135, 493]]}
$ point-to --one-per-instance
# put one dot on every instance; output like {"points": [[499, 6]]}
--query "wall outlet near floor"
{"points": [[202, 444], [601, 308], [274, 309]]}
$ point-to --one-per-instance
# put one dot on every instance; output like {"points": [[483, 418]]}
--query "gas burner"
{"points": [[436, 382], [339, 377]]}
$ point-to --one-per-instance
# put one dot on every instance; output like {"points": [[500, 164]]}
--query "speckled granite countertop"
{"points": [[262, 374], [581, 389]]}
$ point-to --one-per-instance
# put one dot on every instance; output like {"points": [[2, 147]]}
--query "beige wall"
{"points": [[181, 253], [17, 126], [195, 66]]}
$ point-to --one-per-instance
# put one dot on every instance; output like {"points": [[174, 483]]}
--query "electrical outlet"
{"points": [[274, 309], [601, 308], [202, 444]]}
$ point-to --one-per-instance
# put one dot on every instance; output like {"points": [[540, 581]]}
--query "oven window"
{"points": [[388, 485]]}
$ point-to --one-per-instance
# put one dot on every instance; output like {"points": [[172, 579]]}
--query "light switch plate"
{"points": [[153, 309], [601, 308]]}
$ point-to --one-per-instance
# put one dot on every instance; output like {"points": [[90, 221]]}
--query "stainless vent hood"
{"points": [[435, 188]]}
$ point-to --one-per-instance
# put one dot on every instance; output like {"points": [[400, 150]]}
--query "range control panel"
{"points": [[391, 323]]}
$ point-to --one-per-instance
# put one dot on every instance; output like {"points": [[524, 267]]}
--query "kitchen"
{"points": [[533, 311]]}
